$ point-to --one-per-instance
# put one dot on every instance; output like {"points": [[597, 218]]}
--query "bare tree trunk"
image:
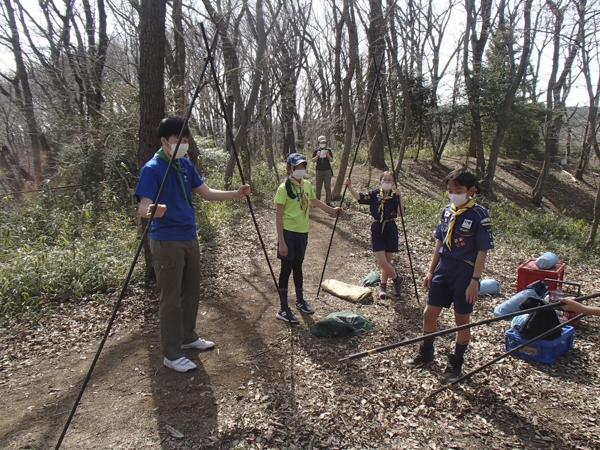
{"points": [[39, 144], [556, 96], [151, 82], [472, 74], [376, 34], [346, 92], [517, 76]]}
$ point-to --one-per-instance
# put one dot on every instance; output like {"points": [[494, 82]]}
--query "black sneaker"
{"points": [[398, 282], [305, 307], [454, 368], [282, 315], [421, 357]]}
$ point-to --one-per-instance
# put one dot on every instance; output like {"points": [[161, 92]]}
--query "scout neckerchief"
{"points": [[300, 196], [453, 213], [381, 209], [176, 164]]}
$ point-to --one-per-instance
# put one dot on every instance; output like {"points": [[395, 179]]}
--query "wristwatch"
{"points": [[476, 279]]}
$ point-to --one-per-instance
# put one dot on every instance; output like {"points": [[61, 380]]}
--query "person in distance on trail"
{"points": [[174, 241], [385, 204], [463, 237], [323, 157], [291, 200], [571, 304]]}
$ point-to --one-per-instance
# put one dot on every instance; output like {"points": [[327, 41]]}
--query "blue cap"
{"points": [[294, 159]]}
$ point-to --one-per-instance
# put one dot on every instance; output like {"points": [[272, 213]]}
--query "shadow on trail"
{"points": [[516, 422]]}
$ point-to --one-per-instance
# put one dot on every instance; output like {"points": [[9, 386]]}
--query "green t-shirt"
{"points": [[294, 218]]}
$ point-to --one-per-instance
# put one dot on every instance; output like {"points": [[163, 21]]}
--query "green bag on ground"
{"points": [[373, 279], [341, 323]]}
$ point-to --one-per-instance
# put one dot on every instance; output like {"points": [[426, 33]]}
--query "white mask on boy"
{"points": [[386, 186], [322, 145], [182, 150], [458, 199]]}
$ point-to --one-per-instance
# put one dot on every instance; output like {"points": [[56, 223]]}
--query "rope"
{"points": [[137, 254], [362, 130]]}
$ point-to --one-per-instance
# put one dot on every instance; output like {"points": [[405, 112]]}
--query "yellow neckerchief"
{"points": [[300, 196], [381, 208], [455, 212]]}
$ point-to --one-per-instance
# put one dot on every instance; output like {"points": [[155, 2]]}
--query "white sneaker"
{"points": [[180, 365], [200, 344]]}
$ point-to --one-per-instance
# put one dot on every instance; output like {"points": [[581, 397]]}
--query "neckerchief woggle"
{"points": [[300, 196], [455, 212], [161, 154]]}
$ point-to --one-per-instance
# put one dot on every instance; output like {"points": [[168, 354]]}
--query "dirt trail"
{"points": [[262, 387], [131, 397]]}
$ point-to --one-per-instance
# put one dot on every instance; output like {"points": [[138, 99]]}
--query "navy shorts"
{"points": [[296, 244], [449, 284], [386, 241]]}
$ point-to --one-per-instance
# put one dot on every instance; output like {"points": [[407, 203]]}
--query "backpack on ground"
{"points": [[539, 322]]}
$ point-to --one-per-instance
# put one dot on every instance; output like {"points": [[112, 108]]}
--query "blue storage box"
{"points": [[545, 351]]}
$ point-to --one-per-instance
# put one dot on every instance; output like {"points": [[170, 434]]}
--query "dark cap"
{"points": [[294, 159]]}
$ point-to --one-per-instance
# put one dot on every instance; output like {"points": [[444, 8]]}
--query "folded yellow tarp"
{"points": [[354, 294]]}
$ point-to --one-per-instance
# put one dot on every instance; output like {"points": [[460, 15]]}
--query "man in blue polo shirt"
{"points": [[174, 241], [463, 237]]}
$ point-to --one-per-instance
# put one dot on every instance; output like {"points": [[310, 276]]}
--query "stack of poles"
{"points": [[471, 325]]}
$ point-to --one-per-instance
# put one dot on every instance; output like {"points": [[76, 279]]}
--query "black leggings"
{"points": [[287, 267]]}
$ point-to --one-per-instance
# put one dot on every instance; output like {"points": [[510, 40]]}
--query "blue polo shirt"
{"points": [[472, 232], [373, 199], [179, 221]]}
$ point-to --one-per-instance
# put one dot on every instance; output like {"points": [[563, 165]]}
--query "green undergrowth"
{"points": [[61, 250], [65, 250], [516, 230]]}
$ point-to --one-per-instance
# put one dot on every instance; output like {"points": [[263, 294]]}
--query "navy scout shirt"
{"points": [[472, 232], [373, 199]]}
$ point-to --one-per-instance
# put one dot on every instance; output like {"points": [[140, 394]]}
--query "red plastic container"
{"points": [[528, 272]]}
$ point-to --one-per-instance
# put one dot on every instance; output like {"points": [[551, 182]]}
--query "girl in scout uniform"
{"points": [[291, 220], [384, 206], [463, 237]]}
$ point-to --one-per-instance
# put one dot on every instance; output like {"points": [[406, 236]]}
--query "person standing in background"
{"points": [[323, 157]]}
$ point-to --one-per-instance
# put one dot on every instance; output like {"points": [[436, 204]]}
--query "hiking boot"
{"points": [[398, 282], [382, 291], [305, 307], [199, 344], [423, 356], [454, 368], [282, 315], [180, 365]]}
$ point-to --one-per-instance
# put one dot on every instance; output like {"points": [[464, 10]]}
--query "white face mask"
{"points": [[299, 173], [322, 145], [182, 150], [386, 186], [458, 199]]}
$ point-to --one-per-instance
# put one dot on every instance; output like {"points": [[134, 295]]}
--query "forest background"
{"points": [[504, 87], [87, 83]]}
